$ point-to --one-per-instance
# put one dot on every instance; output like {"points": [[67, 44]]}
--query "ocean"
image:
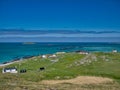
{"points": [[15, 51]]}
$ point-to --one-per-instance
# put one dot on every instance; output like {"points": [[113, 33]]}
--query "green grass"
{"points": [[67, 66]]}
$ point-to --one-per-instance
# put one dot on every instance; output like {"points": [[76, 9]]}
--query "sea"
{"points": [[15, 51]]}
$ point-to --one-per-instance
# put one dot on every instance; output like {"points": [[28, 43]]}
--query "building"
{"points": [[60, 52], [44, 56], [114, 51], [82, 52], [9, 70], [53, 56]]}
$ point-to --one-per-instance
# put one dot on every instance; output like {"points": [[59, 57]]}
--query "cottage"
{"points": [[60, 52], [82, 52], [9, 70], [53, 56], [114, 51], [44, 56]]}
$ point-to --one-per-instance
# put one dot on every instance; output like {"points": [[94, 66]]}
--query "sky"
{"points": [[60, 14], [84, 15]]}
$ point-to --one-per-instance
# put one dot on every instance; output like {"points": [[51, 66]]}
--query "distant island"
{"points": [[28, 42]]}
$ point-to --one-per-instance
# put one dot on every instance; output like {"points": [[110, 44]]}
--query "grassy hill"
{"points": [[64, 66]]}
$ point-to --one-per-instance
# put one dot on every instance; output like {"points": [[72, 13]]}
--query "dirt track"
{"points": [[80, 80]]}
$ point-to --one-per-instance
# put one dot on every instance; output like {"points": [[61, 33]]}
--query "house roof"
{"points": [[10, 68]]}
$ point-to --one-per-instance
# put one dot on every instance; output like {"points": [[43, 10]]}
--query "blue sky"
{"points": [[70, 15], [60, 14]]}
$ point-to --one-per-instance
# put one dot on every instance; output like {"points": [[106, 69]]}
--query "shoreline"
{"points": [[19, 59], [2, 65], [28, 57], [15, 60]]}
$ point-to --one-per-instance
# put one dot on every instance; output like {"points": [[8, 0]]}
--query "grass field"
{"points": [[66, 66]]}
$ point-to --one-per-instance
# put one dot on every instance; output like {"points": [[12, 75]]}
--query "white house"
{"points": [[114, 51], [82, 52], [53, 56], [9, 70], [60, 52], [44, 56]]}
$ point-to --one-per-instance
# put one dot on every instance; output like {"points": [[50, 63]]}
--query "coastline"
{"points": [[29, 57], [8, 63], [16, 60], [26, 57], [20, 50]]}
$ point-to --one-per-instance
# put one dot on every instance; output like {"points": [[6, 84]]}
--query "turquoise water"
{"points": [[14, 51]]}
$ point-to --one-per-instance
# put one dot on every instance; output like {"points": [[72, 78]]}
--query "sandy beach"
{"points": [[2, 65]]}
